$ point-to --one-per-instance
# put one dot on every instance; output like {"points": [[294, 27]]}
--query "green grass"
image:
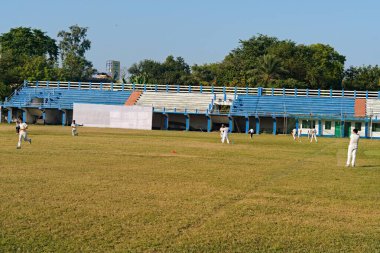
{"points": [[111, 190]]}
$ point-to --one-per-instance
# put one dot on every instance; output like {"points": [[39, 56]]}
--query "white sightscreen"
{"points": [[113, 116]]}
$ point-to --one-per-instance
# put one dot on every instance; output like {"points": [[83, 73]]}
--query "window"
{"points": [[376, 127], [328, 125], [308, 123], [358, 125]]}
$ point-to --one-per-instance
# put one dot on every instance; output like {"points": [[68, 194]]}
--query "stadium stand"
{"points": [[278, 105], [64, 98], [373, 107]]}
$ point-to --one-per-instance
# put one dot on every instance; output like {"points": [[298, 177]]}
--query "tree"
{"points": [[73, 46], [171, 71], [25, 53], [362, 78], [265, 60], [325, 66], [270, 68], [24, 41]]}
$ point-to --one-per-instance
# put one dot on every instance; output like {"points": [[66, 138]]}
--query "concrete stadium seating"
{"points": [[268, 105], [373, 107], [64, 98], [191, 102]]}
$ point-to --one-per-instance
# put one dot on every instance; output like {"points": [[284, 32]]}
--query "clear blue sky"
{"points": [[202, 31]]}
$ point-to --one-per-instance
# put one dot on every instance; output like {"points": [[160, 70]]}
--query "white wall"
{"points": [[113, 116], [373, 133], [328, 132], [304, 130], [331, 132]]}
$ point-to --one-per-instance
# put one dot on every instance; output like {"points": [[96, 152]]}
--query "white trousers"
{"points": [[74, 132], [225, 137], [351, 155], [22, 136], [313, 136]]}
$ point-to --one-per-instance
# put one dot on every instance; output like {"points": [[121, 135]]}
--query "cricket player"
{"points": [[313, 134], [352, 148], [294, 133], [23, 134], [225, 135], [74, 126], [221, 131], [299, 134], [251, 132]]}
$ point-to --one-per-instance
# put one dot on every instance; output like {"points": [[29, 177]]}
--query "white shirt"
{"points": [[74, 126], [354, 140], [225, 131], [250, 131], [294, 132], [23, 127]]}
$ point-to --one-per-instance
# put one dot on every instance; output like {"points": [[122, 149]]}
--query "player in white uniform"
{"points": [[74, 128], [299, 134], [251, 132], [23, 135], [221, 132], [352, 148], [225, 135], [313, 134], [294, 134]]}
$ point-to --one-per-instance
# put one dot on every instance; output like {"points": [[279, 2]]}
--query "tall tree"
{"points": [[73, 46], [362, 78], [270, 68], [171, 71], [24, 41], [26, 53]]}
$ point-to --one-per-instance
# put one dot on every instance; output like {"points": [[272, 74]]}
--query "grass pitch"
{"points": [[112, 190]]}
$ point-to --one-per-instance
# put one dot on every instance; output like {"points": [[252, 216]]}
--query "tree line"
{"points": [[267, 62], [29, 54]]}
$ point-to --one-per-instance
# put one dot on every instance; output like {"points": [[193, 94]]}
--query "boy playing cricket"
{"points": [[23, 134]]}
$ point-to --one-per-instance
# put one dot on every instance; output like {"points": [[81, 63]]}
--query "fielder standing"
{"points": [[313, 134], [225, 135], [352, 148], [74, 126], [294, 133]]}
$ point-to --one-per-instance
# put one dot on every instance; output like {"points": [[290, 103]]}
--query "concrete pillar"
{"points": [[246, 124], [209, 123], [297, 125], [366, 130], [166, 121], [44, 116], [257, 125], [320, 128], [187, 116], [231, 124], [259, 91], [274, 126], [24, 115], [9, 115], [63, 118]]}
